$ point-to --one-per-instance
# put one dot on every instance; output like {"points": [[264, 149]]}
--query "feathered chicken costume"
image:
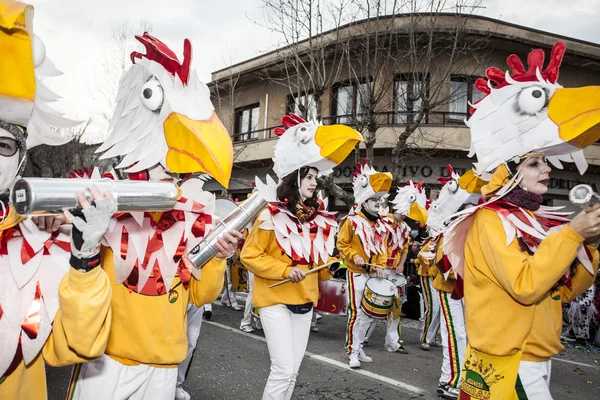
{"points": [[163, 124], [295, 240], [514, 254], [37, 286]]}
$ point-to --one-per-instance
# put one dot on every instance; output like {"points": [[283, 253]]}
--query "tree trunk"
{"points": [[335, 190]]}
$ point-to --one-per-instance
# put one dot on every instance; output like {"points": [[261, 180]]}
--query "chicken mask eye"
{"points": [[412, 198], [452, 186], [152, 95], [303, 135], [364, 181], [532, 100]]}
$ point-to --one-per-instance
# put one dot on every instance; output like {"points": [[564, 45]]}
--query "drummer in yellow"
{"points": [[427, 271], [362, 245], [410, 201]]}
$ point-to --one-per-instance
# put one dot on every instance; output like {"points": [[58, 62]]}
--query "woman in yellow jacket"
{"points": [[510, 250], [294, 235]]}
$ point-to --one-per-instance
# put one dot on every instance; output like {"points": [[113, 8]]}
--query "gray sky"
{"points": [[77, 34]]}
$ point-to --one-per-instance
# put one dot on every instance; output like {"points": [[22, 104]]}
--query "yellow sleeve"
{"points": [[344, 242], [82, 324], [582, 280], [405, 248], [526, 277], [206, 289], [256, 257]]}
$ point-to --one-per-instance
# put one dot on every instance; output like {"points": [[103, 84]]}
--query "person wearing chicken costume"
{"points": [[41, 315], [514, 254], [362, 245], [292, 236], [163, 125], [427, 272], [451, 199], [410, 201]]}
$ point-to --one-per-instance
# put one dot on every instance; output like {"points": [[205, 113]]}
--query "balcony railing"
{"points": [[383, 118]]}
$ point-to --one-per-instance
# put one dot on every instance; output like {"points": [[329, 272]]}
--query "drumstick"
{"points": [[309, 272]]}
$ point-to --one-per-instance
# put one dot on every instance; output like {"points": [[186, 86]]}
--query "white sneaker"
{"points": [[314, 328], [247, 328], [362, 357], [258, 324], [354, 361], [425, 346], [318, 316], [236, 307], [181, 394]]}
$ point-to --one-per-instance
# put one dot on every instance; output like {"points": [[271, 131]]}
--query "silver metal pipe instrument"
{"points": [[584, 196], [50, 196], [243, 215]]}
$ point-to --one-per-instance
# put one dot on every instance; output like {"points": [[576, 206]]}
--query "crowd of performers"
{"points": [[113, 294]]}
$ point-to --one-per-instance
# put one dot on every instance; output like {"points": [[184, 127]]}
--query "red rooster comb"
{"points": [[159, 52], [288, 121], [442, 179], [535, 62], [359, 167]]}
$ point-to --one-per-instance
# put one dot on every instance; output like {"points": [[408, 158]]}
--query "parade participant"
{"points": [[294, 235], [48, 312], [511, 250], [362, 245], [410, 201], [452, 198], [228, 298], [427, 272], [163, 125]]}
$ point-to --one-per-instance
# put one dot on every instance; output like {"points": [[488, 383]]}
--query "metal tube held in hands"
{"points": [[46, 195], [237, 220], [584, 197]]}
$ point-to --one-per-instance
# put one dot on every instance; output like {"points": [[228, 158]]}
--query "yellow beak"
{"points": [[199, 146], [381, 182], [337, 141], [418, 213], [577, 114]]}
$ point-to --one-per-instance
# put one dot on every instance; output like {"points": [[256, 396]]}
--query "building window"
{"points": [[303, 105], [409, 91], [462, 93], [246, 123], [351, 101]]}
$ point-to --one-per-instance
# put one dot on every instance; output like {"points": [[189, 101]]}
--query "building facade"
{"points": [[252, 96]]}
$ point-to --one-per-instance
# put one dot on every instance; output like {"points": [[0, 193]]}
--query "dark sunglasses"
{"points": [[8, 146]]}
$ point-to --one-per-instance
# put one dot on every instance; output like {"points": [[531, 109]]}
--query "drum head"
{"points": [[224, 207], [381, 286]]}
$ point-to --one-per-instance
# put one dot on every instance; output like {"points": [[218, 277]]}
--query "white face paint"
{"points": [[8, 165]]}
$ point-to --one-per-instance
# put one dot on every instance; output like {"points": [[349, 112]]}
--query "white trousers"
{"points": [[358, 321], [228, 295], [393, 330], [106, 378], [247, 320], [431, 323], [193, 333], [535, 378], [454, 338], [287, 337]]}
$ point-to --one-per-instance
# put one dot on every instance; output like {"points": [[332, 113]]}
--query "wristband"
{"points": [[85, 264]]}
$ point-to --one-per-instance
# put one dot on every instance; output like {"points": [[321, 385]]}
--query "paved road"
{"points": [[230, 364]]}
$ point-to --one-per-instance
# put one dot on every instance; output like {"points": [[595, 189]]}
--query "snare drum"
{"points": [[332, 297], [378, 298], [398, 279]]}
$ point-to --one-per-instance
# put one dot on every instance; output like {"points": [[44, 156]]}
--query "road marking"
{"points": [[326, 360], [406, 323], [575, 362]]}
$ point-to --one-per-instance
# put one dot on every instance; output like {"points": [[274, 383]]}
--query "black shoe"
{"points": [[207, 314]]}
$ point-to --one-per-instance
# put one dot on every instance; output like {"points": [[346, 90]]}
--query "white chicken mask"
{"points": [[529, 111], [411, 201], [368, 183], [164, 116], [451, 198], [310, 144], [26, 116]]}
